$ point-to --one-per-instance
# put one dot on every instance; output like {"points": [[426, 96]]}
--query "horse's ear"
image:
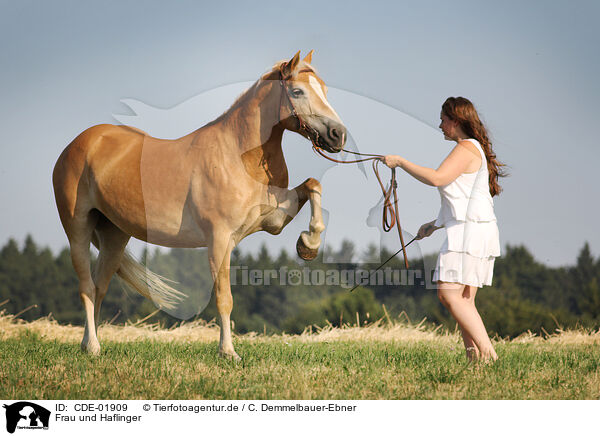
{"points": [[291, 64], [308, 57]]}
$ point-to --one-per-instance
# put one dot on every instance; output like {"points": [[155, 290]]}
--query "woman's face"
{"points": [[448, 126]]}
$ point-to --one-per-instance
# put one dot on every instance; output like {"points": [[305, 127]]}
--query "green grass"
{"points": [[36, 368]]}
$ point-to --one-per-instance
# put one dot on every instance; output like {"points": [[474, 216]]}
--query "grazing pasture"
{"points": [[391, 360]]}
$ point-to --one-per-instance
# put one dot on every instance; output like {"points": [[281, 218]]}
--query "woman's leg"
{"points": [[460, 301], [470, 346], [470, 292]]}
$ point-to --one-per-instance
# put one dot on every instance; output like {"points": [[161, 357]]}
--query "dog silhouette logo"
{"points": [[26, 415]]}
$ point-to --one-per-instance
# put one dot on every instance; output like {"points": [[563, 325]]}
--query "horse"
{"points": [[210, 188]]}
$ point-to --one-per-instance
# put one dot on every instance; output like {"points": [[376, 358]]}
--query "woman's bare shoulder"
{"points": [[469, 146], [475, 157]]}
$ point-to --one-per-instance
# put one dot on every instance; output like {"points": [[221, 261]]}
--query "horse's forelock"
{"points": [[302, 66]]}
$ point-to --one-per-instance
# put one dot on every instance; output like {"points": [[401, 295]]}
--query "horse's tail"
{"points": [[151, 285]]}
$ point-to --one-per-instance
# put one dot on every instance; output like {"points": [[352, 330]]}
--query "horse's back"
{"points": [[81, 150], [75, 172], [138, 182]]}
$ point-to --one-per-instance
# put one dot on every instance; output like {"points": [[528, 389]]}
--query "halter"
{"points": [[312, 133], [390, 212]]}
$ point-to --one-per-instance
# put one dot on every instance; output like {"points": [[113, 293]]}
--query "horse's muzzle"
{"points": [[335, 138]]}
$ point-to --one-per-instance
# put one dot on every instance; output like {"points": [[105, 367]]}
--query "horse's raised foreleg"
{"points": [[309, 241], [219, 254]]}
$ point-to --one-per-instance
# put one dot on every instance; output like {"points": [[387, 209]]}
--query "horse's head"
{"points": [[304, 106]]}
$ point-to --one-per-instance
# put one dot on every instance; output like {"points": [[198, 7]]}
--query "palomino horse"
{"points": [[211, 188]]}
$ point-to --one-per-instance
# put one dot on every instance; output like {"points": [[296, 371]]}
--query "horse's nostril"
{"points": [[336, 134]]}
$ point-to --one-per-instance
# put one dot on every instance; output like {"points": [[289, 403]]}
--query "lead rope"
{"points": [[382, 265], [390, 211], [390, 215]]}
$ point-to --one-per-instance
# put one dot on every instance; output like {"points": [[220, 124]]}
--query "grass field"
{"points": [[393, 360]]}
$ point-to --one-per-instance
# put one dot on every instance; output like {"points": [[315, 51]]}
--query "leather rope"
{"points": [[390, 210], [382, 265]]}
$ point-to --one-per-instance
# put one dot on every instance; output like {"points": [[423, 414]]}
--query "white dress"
{"points": [[467, 212]]}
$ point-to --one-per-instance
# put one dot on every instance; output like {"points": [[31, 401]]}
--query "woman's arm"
{"points": [[453, 166]]}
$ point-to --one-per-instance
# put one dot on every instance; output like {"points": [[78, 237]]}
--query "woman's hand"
{"points": [[426, 230], [392, 161]]}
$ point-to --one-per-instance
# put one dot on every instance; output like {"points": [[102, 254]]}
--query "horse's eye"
{"points": [[297, 92]]}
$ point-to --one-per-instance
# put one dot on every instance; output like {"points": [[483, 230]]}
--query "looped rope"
{"points": [[390, 210], [390, 215]]}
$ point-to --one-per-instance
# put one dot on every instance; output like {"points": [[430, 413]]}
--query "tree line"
{"points": [[276, 293]]}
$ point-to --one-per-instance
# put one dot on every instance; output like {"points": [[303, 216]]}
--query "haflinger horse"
{"points": [[210, 188]]}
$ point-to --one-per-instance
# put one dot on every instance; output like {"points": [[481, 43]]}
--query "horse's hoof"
{"points": [[304, 252], [92, 348], [230, 356]]}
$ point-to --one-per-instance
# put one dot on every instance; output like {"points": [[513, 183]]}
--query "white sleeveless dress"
{"points": [[467, 212]]}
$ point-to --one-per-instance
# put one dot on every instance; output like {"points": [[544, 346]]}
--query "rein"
{"points": [[390, 216]]}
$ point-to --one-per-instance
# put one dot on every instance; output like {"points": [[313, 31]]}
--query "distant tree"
{"points": [[586, 293], [590, 302], [340, 308], [13, 272], [283, 257], [264, 258], [345, 254]]}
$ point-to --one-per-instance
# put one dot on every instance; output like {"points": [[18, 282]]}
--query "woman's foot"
{"points": [[472, 354], [488, 358]]}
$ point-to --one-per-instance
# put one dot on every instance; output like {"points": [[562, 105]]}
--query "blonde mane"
{"points": [[272, 74]]}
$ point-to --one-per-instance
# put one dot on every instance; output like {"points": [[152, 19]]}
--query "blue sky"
{"points": [[531, 68]]}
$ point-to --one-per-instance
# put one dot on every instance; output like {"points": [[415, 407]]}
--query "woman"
{"points": [[467, 180]]}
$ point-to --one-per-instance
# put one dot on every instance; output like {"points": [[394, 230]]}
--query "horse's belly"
{"points": [[146, 199], [160, 230], [183, 239], [166, 223]]}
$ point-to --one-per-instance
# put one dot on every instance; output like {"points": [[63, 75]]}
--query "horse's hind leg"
{"points": [[79, 231], [111, 243]]}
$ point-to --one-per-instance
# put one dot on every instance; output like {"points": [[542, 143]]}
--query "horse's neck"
{"points": [[266, 163], [254, 126]]}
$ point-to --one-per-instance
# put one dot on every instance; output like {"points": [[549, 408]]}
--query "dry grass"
{"points": [[384, 330]]}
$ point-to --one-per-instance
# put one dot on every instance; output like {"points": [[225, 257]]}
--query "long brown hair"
{"points": [[461, 110]]}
